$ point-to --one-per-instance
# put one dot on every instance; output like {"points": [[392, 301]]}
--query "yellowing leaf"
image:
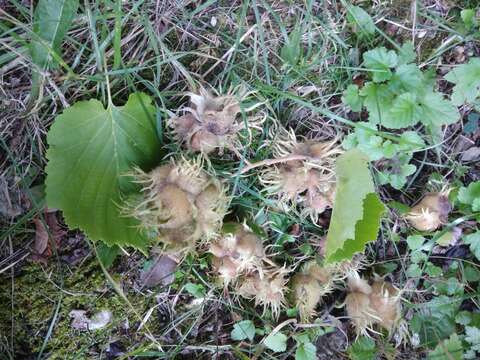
{"points": [[357, 209], [90, 150]]}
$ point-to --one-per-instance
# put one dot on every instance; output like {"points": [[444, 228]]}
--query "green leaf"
{"points": [[400, 207], [415, 242], [473, 123], [380, 61], [437, 111], [396, 171], [473, 240], [403, 113], [362, 22], [292, 51], [466, 78], [472, 337], [416, 257], [410, 140], [90, 150], [352, 98], [463, 318], [414, 271], [242, 330], [107, 254], [357, 209], [435, 320], [196, 290], [276, 342], [408, 77], [468, 18], [363, 349], [51, 21], [449, 349], [306, 351], [366, 141], [406, 53], [378, 100], [472, 274], [468, 195]]}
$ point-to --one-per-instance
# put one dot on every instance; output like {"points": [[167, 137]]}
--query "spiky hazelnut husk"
{"points": [[236, 252], [430, 213], [316, 281], [370, 305], [212, 122], [303, 173], [307, 293], [385, 299], [358, 306], [181, 204], [267, 287]]}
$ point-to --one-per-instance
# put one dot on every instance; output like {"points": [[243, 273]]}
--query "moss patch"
{"points": [[38, 292]]}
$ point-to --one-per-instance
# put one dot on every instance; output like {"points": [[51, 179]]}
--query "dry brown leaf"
{"points": [[162, 272], [41, 237], [472, 154], [42, 246]]}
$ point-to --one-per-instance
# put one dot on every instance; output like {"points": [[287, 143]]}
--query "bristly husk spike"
{"points": [[181, 204], [431, 212], [358, 305], [236, 252], [370, 305], [302, 174], [267, 287], [316, 281], [213, 122]]}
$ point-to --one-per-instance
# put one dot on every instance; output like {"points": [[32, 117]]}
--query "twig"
{"points": [[269, 162]]}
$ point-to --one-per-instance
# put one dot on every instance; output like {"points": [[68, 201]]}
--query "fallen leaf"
{"points": [[162, 272], [295, 230], [8, 208], [41, 237], [42, 246], [471, 154], [80, 320], [306, 90], [98, 321]]}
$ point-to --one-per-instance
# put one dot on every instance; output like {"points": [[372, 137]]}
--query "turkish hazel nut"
{"points": [[210, 122], [267, 287], [303, 174], [316, 281], [236, 253], [181, 204], [370, 305], [430, 213]]}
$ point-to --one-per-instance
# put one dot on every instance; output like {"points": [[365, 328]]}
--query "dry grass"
{"points": [[167, 48]]}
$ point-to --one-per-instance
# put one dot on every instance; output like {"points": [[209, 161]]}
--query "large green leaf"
{"points": [[466, 78], [51, 21], [90, 150], [357, 209]]}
